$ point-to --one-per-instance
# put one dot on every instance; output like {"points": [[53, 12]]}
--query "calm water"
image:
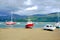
{"points": [[22, 25]]}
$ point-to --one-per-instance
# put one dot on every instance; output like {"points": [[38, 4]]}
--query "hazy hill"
{"points": [[52, 17]]}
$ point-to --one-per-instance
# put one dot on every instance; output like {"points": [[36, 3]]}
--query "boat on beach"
{"points": [[49, 27], [11, 22], [57, 25], [29, 24]]}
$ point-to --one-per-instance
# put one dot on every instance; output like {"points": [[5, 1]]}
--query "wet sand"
{"points": [[28, 34]]}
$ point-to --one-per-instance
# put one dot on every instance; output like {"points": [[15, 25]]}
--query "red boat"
{"points": [[29, 25], [10, 23]]}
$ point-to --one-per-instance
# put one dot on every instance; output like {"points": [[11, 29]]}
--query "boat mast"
{"points": [[11, 16], [29, 18], [58, 16]]}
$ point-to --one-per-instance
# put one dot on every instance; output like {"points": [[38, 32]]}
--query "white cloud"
{"points": [[31, 8], [26, 11], [34, 10]]}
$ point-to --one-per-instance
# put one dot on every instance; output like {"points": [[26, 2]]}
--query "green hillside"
{"points": [[53, 17]]}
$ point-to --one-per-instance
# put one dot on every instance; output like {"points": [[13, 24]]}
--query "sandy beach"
{"points": [[28, 34]]}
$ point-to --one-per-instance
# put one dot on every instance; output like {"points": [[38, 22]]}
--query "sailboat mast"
{"points": [[58, 16], [11, 16], [29, 18]]}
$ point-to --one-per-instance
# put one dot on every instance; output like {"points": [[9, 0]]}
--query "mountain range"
{"points": [[51, 17]]}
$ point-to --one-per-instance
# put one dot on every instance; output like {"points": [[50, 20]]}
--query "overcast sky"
{"points": [[29, 7]]}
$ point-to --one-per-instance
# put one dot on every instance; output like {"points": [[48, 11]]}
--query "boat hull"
{"points": [[29, 25], [10, 23]]}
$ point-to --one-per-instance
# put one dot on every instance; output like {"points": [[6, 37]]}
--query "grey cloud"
{"points": [[44, 6]]}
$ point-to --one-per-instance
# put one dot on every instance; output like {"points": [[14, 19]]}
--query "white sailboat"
{"points": [[57, 24], [11, 22]]}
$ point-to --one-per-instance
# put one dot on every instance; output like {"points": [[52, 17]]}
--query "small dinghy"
{"points": [[49, 27]]}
